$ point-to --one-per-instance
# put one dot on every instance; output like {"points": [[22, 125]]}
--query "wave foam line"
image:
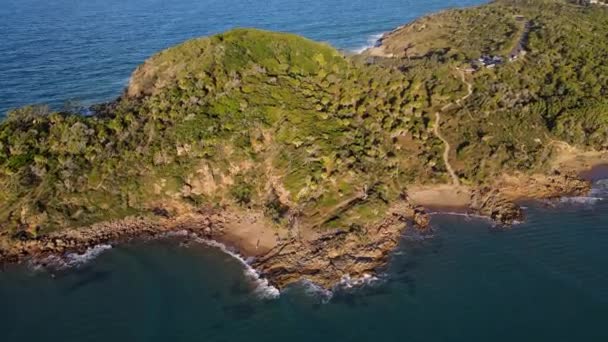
{"points": [[313, 290], [71, 260], [348, 283], [581, 200], [455, 213], [263, 288], [372, 41]]}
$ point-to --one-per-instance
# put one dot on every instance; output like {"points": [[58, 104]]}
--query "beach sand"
{"points": [[441, 196]]}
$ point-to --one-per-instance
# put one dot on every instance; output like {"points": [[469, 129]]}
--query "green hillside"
{"points": [[293, 128]]}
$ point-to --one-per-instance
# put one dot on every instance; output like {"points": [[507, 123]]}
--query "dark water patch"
{"points": [[91, 277], [239, 311]]}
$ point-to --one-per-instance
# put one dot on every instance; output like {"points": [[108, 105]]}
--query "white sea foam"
{"points": [[313, 290], [600, 189], [263, 289], [177, 233], [599, 192], [349, 283], [371, 42], [454, 213], [70, 260], [581, 200], [75, 259], [602, 183]]}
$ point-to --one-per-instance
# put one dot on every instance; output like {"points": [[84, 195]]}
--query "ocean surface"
{"points": [[543, 280], [83, 51]]}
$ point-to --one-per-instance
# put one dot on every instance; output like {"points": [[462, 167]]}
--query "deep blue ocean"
{"points": [[543, 280], [53, 51]]}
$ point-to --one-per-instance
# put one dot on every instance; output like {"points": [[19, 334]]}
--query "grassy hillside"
{"points": [[291, 127], [249, 118], [556, 91]]}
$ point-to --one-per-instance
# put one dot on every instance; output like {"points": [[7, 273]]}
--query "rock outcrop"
{"points": [[498, 201], [354, 253], [493, 204], [79, 240]]}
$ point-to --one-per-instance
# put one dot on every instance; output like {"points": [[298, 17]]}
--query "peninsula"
{"points": [[311, 160]]}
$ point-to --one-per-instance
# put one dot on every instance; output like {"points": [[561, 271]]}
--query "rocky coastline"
{"points": [[325, 258], [311, 162]]}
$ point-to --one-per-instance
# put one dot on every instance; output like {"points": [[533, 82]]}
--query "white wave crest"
{"points": [[177, 233], [455, 213], [70, 260], [315, 291], [371, 42], [263, 289], [602, 183], [600, 189], [75, 259], [580, 200], [348, 283]]}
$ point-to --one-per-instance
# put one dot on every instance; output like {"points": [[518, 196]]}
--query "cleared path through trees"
{"points": [[446, 151]]}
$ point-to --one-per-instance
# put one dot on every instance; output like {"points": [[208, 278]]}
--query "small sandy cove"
{"points": [[440, 196]]}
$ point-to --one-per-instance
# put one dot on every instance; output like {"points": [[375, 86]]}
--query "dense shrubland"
{"points": [[285, 125], [556, 91]]}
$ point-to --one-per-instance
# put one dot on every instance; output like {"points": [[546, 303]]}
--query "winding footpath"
{"points": [[446, 151]]}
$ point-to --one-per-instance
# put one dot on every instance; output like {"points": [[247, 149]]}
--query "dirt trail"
{"points": [[446, 151]]}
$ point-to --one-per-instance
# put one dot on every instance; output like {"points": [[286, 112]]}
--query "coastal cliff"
{"points": [[313, 161]]}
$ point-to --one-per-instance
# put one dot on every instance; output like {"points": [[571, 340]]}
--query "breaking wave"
{"points": [[75, 259], [263, 289], [348, 284], [468, 216], [585, 200], [71, 260], [372, 41], [315, 291], [600, 189]]}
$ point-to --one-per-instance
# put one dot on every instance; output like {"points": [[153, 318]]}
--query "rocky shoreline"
{"points": [[326, 258], [356, 253], [78, 241]]}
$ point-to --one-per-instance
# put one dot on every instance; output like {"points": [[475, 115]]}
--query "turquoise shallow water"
{"points": [[544, 280]]}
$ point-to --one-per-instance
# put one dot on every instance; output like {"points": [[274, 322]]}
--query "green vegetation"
{"points": [[555, 92], [289, 126]]}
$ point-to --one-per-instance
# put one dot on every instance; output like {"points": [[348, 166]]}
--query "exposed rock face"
{"points": [[498, 202], [491, 203], [325, 260], [79, 240], [545, 186], [355, 253]]}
